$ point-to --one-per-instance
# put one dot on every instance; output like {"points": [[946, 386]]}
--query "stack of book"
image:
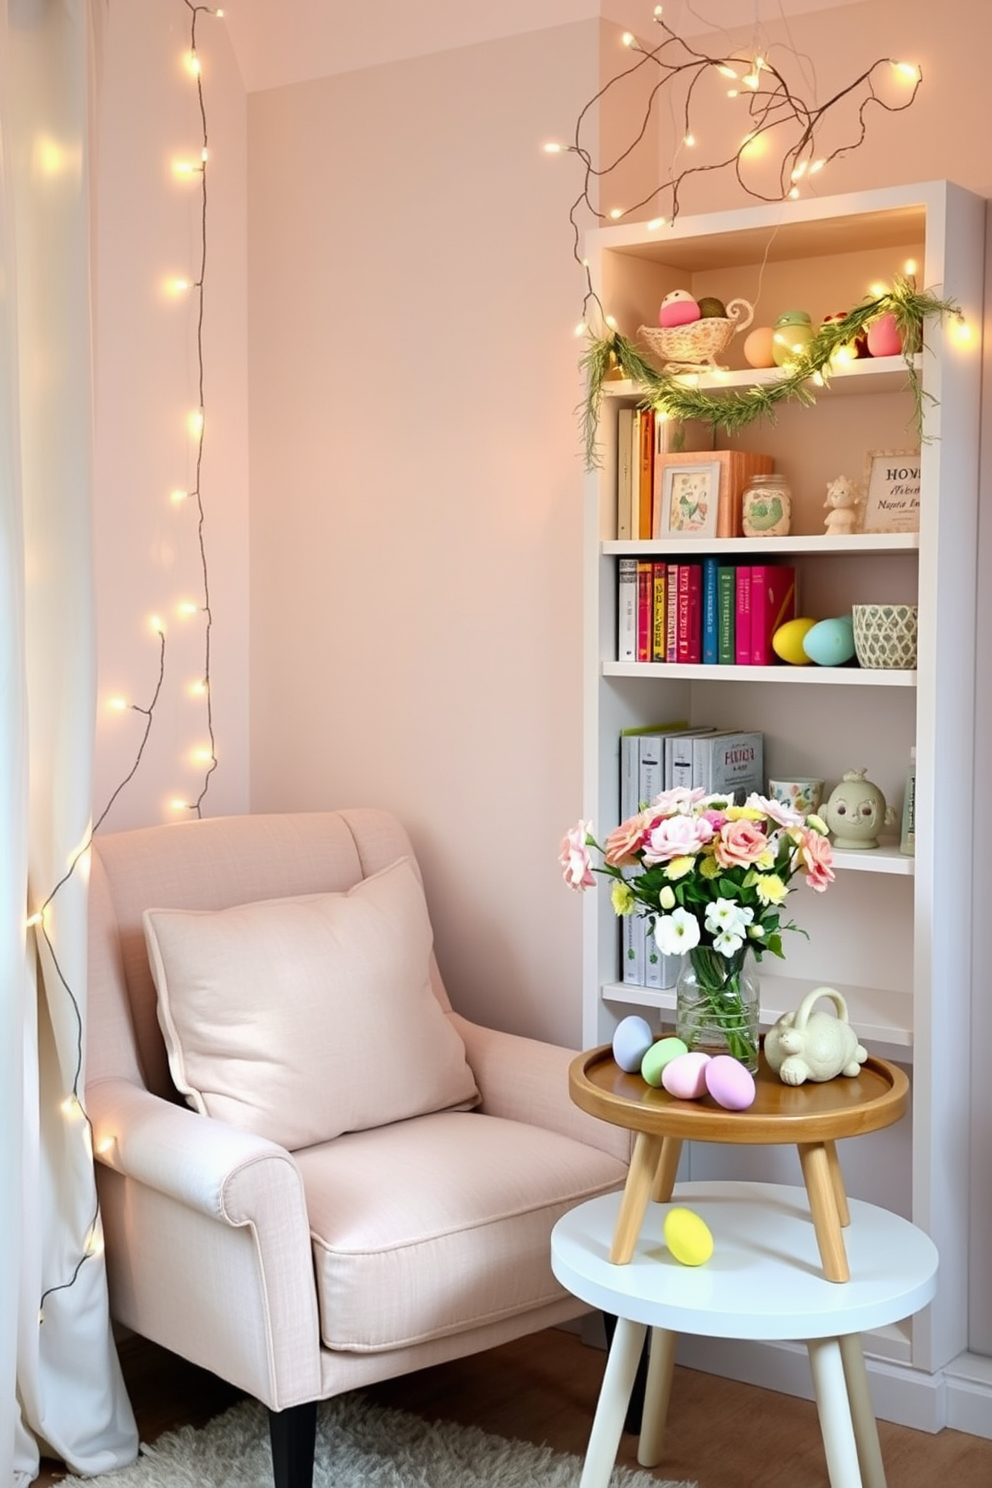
{"points": [[703, 611], [658, 758], [643, 442]]}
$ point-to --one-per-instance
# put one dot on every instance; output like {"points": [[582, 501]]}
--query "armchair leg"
{"points": [[293, 1433]]}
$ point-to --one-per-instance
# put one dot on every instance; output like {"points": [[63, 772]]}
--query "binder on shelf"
{"points": [[729, 762], [678, 755]]}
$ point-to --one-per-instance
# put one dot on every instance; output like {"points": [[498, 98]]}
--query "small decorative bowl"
{"points": [[699, 343], [885, 635]]}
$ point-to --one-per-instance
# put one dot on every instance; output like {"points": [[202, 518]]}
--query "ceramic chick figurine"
{"points": [[804, 1045], [843, 500]]}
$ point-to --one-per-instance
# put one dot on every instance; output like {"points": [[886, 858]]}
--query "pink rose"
{"points": [[676, 837], [574, 858], [626, 840], [817, 856], [740, 843]]}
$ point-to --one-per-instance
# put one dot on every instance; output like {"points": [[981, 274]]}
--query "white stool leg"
{"points": [[614, 1397], [661, 1363], [830, 1387], [862, 1411]]}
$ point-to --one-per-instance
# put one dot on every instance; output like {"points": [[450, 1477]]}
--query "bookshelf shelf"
{"points": [[878, 935], [846, 676]]}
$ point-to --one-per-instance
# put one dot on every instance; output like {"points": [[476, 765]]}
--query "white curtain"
{"points": [[61, 1390]]}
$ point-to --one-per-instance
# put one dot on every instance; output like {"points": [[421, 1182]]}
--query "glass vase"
{"points": [[717, 1003]]}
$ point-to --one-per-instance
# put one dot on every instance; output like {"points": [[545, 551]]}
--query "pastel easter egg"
{"points": [[830, 642], [787, 642], [729, 1083], [678, 308], [632, 1038], [688, 1237], [883, 336], [658, 1056], [758, 347], [685, 1076]]}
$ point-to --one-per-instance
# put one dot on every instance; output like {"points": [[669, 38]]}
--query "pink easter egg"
{"points": [[678, 308], [883, 337], [729, 1083], [685, 1077]]}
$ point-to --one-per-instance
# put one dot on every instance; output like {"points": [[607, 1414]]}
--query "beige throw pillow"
{"points": [[302, 1018]]}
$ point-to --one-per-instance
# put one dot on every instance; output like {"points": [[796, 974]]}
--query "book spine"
{"points": [[645, 608], [689, 632], [626, 609], [681, 773], [659, 613], [631, 926], [711, 570], [645, 481], [671, 612], [742, 615], [759, 613], [733, 763], [625, 425], [773, 602], [726, 582]]}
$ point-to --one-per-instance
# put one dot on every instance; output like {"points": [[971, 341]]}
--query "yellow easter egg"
{"points": [[787, 642], [688, 1237]]}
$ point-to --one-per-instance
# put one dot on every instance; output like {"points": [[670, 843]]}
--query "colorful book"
{"points": [[725, 603], [645, 472], [645, 608], [729, 762], [625, 473], [742, 615], [671, 612], [710, 627], [626, 609], [689, 613], [660, 611], [773, 602]]}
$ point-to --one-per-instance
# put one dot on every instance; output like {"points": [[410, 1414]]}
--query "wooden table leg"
{"points": [[833, 1407], [823, 1207], [668, 1166], [862, 1412], [837, 1181], [607, 1424], [661, 1364], [636, 1192]]}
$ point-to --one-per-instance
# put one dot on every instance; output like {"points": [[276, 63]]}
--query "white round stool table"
{"points": [[764, 1280]]}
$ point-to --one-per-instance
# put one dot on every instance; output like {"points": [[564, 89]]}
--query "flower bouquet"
{"points": [[711, 878]]}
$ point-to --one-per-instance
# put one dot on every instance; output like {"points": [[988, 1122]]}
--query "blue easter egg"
{"points": [[830, 642], [632, 1038]]}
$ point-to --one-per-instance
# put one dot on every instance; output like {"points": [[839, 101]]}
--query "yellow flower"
{"points": [[709, 867], [622, 897], [679, 867], [666, 897], [744, 813], [770, 889]]}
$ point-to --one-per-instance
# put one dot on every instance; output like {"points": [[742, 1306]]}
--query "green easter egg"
{"points": [[710, 307], [660, 1054]]}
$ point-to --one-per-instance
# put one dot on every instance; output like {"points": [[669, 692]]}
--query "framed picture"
{"points": [[690, 496], [892, 491]]}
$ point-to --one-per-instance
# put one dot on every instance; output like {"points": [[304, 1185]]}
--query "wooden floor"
{"points": [[543, 1389]]}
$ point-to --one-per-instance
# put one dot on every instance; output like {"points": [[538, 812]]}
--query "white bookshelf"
{"points": [[880, 934]]}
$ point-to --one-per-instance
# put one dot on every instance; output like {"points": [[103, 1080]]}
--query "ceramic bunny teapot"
{"points": [[803, 1045]]}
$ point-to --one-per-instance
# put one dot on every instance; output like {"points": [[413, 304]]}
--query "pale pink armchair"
{"points": [[263, 1223]]}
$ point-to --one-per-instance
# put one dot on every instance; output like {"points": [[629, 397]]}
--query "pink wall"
{"points": [[146, 551], [416, 486]]}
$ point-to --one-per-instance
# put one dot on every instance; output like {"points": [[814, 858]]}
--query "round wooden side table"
{"points": [[814, 1116]]}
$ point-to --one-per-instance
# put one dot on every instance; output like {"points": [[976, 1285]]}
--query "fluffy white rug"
{"points": [[359, 1445]]}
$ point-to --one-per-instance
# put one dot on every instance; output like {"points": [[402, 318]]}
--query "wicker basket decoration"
{"points": [[885, 635], [699, 343]]}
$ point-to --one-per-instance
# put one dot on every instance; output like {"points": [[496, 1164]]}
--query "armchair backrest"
{"points": [[208, 864]]}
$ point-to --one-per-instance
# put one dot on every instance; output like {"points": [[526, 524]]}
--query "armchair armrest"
{"points": [[238, 1264], [524, 1079]]}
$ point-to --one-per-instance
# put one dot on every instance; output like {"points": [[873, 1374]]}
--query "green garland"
{"points": [[733, 410]]}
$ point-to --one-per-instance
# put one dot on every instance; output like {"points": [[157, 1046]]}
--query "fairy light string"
{"points": [[772, 104], [72, 1106]]}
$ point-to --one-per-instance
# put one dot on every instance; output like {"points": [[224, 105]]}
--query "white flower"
{"points": [[725, 918], [676, 932], [727, 943]]}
